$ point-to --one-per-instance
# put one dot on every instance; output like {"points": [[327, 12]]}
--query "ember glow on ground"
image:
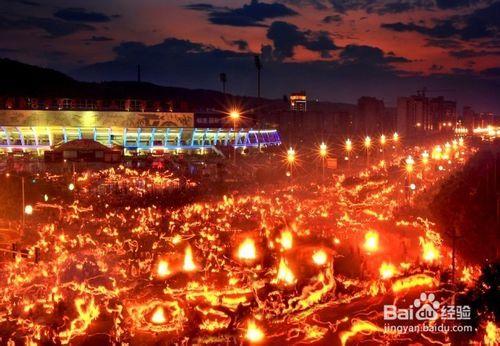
{"points": [[290, 263]]}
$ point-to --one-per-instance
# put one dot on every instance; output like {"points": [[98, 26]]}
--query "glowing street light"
{"points": [[71, 186], [323, 152], [348, 149], [235, 116], [409, 169], [395, 137], [290, 156], [409, 164], [383, 140], [348, 145], [425, 161], [425, 157], [367, 143]]}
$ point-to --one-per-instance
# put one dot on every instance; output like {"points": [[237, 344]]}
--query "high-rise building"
{"points": [[370, 117], [443, 114], [298, 102], [419, 114], [469, 118]]}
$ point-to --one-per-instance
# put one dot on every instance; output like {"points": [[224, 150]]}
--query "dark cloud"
{"points": [[286, 37], [53, 27], [443, 43], [252, 14], [171, 48], [380, 7], [201, 7], [369, 55], [436, 67], [361, 71], [481, 23], [99, 39], [317, 4], [26, 2], [470, 53], [446, 4], [463, 71], [77, 14], [491, 72], [441, 30], [332, 19], [493, 43], [395, 7], [241, 45]]}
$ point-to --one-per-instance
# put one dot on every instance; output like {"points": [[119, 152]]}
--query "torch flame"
{"points": [[387, 271], [254, 334], [286, 240], [162, 270], [492, 334], [371, 241], [429, 251], [247, 251], [189, 265], [285, 274], [158, 316], [320, 257]]}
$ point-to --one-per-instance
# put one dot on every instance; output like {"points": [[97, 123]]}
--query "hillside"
{"points": [[19, 79]]}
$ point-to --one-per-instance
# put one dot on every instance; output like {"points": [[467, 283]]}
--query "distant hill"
{"points": [[19, 79]]}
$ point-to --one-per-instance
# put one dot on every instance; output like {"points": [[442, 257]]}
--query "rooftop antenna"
{"points": [[258, 66]]}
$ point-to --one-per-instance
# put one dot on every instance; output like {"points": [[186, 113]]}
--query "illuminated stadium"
{"points": [[39, 131]]}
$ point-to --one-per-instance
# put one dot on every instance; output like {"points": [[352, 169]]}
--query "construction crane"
{"points": [[424, 90]]}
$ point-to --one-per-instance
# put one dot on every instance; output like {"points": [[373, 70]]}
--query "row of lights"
{"points": [[323, 148]]}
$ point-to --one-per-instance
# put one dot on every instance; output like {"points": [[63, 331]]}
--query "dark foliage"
{"points": [[466, 206]]}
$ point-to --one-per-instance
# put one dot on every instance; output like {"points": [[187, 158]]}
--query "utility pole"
{"points": [[454, 238], [223, 79], [23, 200], [258, 65]]}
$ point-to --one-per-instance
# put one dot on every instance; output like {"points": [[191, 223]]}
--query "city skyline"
{"points": [[336, 51]]}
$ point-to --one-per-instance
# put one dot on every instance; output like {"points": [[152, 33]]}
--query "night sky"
{"points": [[336, 50]]}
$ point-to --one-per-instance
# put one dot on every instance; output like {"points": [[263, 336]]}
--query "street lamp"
{"points": [[383, 140], [348, 149], [290, 158], [409, 169], [425, 161], [323, 152], [395, 137], [235, 116], [368, 143], [409, 164]]}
